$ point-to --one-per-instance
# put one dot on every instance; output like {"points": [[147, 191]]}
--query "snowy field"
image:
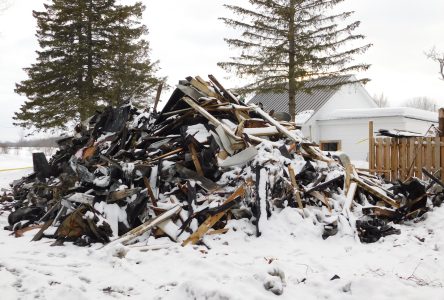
{"points": [[290, 253]]}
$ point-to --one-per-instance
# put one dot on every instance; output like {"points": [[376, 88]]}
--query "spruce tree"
{"points": [[285, 43], [92, 54]]}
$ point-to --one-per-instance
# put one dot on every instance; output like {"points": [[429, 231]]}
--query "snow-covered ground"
{"points": [[290, 253]]}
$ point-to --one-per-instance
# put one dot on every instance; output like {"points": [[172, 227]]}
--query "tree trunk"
{"points": [[89, 67], [80, 74], [291, 61]]}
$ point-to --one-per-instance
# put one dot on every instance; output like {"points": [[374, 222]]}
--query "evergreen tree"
{"points": [[93, 53], [285, 43]]}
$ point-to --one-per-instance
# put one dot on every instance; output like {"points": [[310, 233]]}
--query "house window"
{"points": [[330, 145]]}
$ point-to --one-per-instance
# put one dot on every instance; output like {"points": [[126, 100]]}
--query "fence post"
{"points": [[441, 122], [371, 148]]}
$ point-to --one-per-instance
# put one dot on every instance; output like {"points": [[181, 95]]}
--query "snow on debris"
{"points": [[170, 224]]}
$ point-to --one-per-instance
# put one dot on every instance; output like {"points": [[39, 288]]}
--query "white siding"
{"points": [[348, 96], [353, 133]]}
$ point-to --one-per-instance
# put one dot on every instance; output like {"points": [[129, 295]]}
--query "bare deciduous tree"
{"points": [[422, 103], [380, 100], [438, 57]]}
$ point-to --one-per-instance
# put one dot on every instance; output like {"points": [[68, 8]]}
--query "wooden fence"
{"points": [[400, 158]]}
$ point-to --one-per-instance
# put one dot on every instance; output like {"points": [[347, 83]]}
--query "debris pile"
{"points": [[183, 173]]}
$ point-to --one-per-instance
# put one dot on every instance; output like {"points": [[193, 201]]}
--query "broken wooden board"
{"points": [[204, 182], [149, 191], [324, 185], [350, 196], [379, 211], [80, 198], [120, 195], [195, 158], [295, 186], [276, 124], [378, 194], [211, 119], [232, 98], [38, 236], [203, 88], [210, 221], [139, 230]]}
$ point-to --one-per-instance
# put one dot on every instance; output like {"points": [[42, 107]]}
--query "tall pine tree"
{"points": [[93, 53], [285, 43]]}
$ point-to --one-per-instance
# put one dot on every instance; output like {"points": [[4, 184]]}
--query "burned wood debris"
{"points": [[128, 176]]}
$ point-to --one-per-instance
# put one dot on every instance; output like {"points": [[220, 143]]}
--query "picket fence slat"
{"points": [[401, 158]]}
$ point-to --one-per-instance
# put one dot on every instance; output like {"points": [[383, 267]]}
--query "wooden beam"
{"points": [[210, 117], [195, 158], [149, 191], [232, 98], [210, 221], [139, 230], [370, 189], [158, 93], [295, 186], [202, 87]]}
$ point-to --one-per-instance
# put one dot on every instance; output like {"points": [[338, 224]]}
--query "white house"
{"points": [[337, 119]]}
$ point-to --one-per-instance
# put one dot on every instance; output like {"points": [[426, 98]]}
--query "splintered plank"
{"points": [[350, 196], [205, 183], [378, 211], [38, 236], [210, 117], [150, 224], [295, 186], [231, 97], [149, 191], [202, 87], [158, 93], [210, 221], [195, 158], [375, 192]]}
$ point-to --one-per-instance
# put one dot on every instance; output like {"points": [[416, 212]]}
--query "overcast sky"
{"points": [[187, 38]]}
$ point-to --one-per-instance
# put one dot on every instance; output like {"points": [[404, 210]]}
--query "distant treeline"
{"points": [[43, 142]]}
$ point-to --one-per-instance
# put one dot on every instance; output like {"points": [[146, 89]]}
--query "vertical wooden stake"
{"points": [[159, 92], [149, 191], [371, 148], [441, 122], [195, 158], [295, 186]]}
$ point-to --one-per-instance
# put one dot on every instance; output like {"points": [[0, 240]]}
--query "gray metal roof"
{"points": [[304, 101]]}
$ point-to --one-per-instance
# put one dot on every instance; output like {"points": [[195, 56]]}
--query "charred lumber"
{"points": [[210, 221]]}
